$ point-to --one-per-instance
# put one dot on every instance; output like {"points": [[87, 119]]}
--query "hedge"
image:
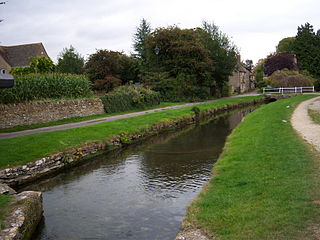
{"points": [[46, 86], [127, 98]]}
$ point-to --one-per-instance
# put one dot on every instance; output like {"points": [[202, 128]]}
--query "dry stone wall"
{"points": [[40, 112]]}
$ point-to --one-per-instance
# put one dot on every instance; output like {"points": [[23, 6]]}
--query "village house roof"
{"points": [[20, 55]]}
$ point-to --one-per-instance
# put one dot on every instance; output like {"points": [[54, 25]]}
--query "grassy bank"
{"points": [[21, 150], [79, 119], [264, 184]]}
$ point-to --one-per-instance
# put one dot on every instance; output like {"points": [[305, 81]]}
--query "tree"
{"points": [[191, 63], [181, 68], [41, 65], [139, 39], [307, 49], [280, 61], [109, 69], [286, 45], [223, 53], [70, 61], [258, 71]]}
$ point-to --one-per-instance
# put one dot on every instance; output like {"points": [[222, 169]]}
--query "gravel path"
{"points": [[107, 119], [303, 124]]}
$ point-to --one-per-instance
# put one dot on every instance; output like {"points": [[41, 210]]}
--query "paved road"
{"points": [[106, 119]]}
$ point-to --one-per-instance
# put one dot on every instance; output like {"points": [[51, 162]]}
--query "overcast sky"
{"points": [[255, 26]]}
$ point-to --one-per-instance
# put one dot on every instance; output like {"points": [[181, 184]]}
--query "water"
{"points": [[138, 194]]}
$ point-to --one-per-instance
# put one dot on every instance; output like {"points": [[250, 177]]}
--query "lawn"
{"points": [[79, 119], [264, 183], [21, 150]]}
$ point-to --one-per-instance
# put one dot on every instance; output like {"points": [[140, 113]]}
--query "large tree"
{"points": [[223, 53], [70, 61], [192, 63], [140, 38], [280, 61], [108, 69], [286, 45], [307, 49]]}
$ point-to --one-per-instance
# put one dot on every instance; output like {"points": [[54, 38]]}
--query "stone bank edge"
{"points": [[25, 213]]}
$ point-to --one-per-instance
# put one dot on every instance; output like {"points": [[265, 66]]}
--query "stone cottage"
{"points": [[242, 79], [20, 55]]}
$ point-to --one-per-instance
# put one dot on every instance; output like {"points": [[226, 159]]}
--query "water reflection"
{"points": [[137, 194]]}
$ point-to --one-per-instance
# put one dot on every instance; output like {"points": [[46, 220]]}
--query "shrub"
{"points": [[107, 84], [20, 71], [42, 64], [286, 78], [46, 86], [37, 65], [125, 98]]}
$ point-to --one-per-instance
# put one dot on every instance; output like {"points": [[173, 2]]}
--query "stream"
{"points": [[135, 194]]}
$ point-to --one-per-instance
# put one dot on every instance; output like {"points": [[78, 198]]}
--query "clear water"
{"points": [[138, 194]]}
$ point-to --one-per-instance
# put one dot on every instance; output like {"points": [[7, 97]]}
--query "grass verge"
{"points": [[4, 202], [79, 119], [263, 185], [315, 116], [24, 149]]}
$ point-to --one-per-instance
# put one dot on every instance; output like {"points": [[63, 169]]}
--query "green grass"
{"points": [[79, 119], [4, 202], [315, 116], [263, 184], [24, 149]]}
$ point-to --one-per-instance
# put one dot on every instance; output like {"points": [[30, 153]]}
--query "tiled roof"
{"points": [[20, 55]]}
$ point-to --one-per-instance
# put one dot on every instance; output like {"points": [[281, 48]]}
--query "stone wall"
{"points": [[40, 112]]}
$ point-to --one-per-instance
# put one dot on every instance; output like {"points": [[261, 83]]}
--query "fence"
{"points": [[289, 90]]}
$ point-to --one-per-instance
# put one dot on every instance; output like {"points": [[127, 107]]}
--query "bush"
{"points": [[286, 78], [46, 86], [20, 71], [265, 82], [107, 84], [126, 98]]}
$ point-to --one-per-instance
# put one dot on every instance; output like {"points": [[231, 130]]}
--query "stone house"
{"points": [[20, 55], [242, 79]]}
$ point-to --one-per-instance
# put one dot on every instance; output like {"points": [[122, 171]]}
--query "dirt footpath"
{"points": [[303, 124]]}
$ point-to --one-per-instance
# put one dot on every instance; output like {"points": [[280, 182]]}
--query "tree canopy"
{"points": [[70, 61], [307, 49], [280, 61], [109, 69], [192, 63], [140, 38], [286, 45]]}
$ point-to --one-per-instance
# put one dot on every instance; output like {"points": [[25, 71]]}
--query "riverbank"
{"points": [[264, 183]]}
